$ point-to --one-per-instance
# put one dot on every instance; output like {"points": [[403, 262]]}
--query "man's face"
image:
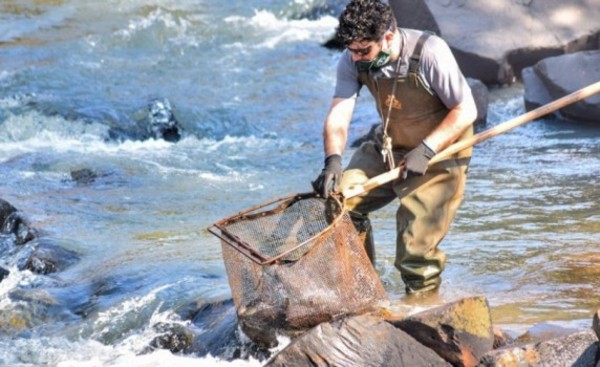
{"points": [[364, 50]]}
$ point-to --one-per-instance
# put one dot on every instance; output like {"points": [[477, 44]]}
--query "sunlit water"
{"points": [[250, 84]]}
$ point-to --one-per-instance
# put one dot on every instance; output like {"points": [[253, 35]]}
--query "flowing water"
{"points": [[250, 84]]}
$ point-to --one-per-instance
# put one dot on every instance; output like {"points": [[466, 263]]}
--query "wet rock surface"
{"points": [[460, 332], [558, 76], [357, 341], [23, 247]]}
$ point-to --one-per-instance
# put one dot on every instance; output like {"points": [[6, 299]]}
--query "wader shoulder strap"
{"points": [[415, 58]]}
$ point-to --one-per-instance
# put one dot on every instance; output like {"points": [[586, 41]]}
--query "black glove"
{"points": [[329, 179], [417, 160]]}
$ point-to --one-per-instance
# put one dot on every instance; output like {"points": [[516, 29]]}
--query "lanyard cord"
{"points": [[386, 149]]}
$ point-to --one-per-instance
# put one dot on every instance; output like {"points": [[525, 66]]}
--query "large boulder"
{"points": [[558, 76], [460, 332], [494, 40], [360, 341]]}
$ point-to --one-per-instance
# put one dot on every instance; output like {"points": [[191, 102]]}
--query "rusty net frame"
{"points": [[293, 263]]}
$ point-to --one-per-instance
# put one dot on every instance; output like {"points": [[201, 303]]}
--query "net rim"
{"points": [[219, 228]]}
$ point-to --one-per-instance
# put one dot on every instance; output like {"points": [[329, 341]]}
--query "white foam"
{"points": [[282, 30], [177, 27]]}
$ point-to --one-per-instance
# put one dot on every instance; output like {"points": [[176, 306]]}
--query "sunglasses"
{"points": [[365, 50], [361, 51]]}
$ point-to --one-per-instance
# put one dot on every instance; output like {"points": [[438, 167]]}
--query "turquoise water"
{"points": [[250, 85]]}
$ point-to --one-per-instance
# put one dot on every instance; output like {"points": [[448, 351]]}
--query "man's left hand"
{"points": [[417, 160]]}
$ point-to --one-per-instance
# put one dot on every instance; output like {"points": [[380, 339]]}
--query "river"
{"points": [[250, 83]]}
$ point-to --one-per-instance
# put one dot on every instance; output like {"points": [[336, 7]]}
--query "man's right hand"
{"points": [[330, 177]]}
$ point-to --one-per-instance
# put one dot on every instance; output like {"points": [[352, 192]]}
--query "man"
{"points": [[425, 105]]}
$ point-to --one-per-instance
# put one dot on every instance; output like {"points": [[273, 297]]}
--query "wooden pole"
{"points": [[478, 138]]}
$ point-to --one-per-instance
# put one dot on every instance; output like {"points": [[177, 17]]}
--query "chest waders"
{"points": [[428, 203]]}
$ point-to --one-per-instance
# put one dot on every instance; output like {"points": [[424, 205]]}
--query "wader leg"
{"points": [[423, 219], [366, 163]]}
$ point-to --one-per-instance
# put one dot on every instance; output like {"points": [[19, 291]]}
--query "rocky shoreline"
{"points": [[457, 333]]}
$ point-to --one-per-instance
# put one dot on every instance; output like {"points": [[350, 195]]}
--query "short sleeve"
{"points": [[347, 84], [443, 73]]}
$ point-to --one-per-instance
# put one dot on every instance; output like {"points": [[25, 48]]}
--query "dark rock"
{"points": [[47, 258], [363, 341], [3, 273], [13, 223], [156, 121], [481, 95], [216, 333], [84, 176], [175, 338], [501, 338], [218, 322], [576, 350], [6, 209], [596, 323], [460, 332], [555, 77], [161, 122]]}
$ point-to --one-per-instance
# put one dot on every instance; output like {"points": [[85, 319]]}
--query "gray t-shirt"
{"points": [[438, 68]]}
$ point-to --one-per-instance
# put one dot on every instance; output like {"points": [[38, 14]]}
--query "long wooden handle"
{"points": [[478, 138]]}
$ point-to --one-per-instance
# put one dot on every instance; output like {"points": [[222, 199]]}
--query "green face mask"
{"points": [[382, 58]]}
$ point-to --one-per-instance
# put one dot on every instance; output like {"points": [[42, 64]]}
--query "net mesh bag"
{"points": [[293, 263]]}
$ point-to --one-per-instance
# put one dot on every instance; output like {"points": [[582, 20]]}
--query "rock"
{"points": [[558, 76], [481, 95], [501, 338], [219, 336], [3, 273], [596, 323], [363, 341], [47, 258], [460, 332], [494, 40], [6, 209], [84, 176], [577, 350], [13, 223], [161, 122], [155, 121], [175, 337]]}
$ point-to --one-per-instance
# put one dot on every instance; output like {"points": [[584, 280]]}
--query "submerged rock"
{"points": [[155, 121], [161, 122], [213, 330], [175, 338], [47, 258], [14, 224], [84, 176]]}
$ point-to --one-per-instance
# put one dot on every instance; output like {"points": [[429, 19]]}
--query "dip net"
{"points": [[293, 263]]}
